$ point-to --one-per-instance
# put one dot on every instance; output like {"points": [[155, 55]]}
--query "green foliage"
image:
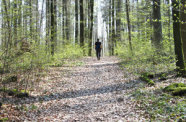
{"points": [[163, 76], [160, 106], [15, 92], [177, 89], [173, 86], [180, 91], [66, 52], [145, 58], [145, 77]]}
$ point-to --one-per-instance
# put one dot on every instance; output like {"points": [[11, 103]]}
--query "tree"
{"points": [[183, 26], [177, 37], [113, 27], [15, 19], [91, 25], [128, 23], [77, 20], [157, 36], [53, 26], [118, 20], [81, 24]]}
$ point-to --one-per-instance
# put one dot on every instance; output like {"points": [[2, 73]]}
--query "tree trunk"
{"points": [[118, 20], [91, 25], [53, 26], [157, 37], [128, 22], [15, 18], [183, 27], [67, 20], [77, 20], [169, 25], [110, 28], [177, 37], [113, 26], [138, 20], [31, 26], [81, 25]]}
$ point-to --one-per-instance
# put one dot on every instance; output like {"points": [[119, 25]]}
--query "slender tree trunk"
{"points": [[169, 25], [113, 26], [110, 27], [157, 37], [20, 20], [31, 22], [77, 20], [81, 25], [138, 20], [9, 42], [64, 36], [183, 26], [53, 26], [177, 37], [48, 18], [129, 26], [67, 20], [91, 25], [118, 20], [15, 19]]}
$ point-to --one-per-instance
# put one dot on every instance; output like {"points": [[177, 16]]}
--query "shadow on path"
{"points": [[76, 93]]}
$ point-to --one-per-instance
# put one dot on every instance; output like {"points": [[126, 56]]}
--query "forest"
{"points": [[49, 70]]}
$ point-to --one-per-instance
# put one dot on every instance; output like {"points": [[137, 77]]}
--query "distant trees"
{"points": [[57, 23]]}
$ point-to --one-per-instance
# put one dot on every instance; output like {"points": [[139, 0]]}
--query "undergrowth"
{"points": [[27, 64], [159, 106], [144, 58]]}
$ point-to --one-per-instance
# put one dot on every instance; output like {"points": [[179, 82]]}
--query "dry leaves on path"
{"points": [[95, 91]]}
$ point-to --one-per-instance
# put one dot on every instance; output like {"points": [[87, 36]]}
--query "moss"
{"points": [[180, 91], [177, 89], [15, 92], [173, 86], [163, 76], [146, 79], [149, 75]]}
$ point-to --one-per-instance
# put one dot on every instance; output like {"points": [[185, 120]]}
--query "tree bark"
{"points": [[118, 20], [110, 28], [81, 25], [31, 22], [157, 37], [183, 27], [77, 20], [113, 27], [15, 19], [91, 25], [53, 26], [129, 26], [177, 37]]}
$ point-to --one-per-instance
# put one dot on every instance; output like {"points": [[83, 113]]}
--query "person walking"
{"points": [[98, 48]]}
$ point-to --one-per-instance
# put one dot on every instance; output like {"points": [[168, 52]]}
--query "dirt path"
{"points": [[94, 91]]}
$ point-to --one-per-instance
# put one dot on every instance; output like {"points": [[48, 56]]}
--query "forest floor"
{"points": [[88, 90]]}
